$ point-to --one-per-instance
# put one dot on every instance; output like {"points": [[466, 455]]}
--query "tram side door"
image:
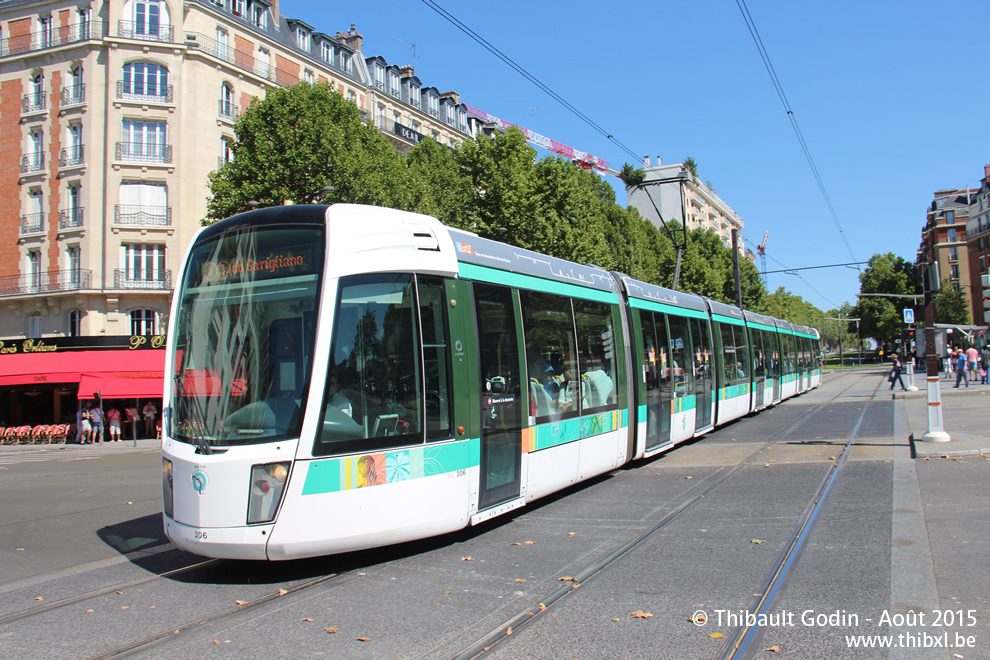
{"points": [[704, 373], [759, 368], [501, 395], [656, 366]]}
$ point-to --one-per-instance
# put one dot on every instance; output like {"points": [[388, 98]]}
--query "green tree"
{"points": [[631, 175], [951, 305], [882, 317], [692, 167], [441, 188], [501, 173], [300, 139]]}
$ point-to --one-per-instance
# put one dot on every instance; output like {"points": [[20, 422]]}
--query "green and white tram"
{"points": [[348, 377]]}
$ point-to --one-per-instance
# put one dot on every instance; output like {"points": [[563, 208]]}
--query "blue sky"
{"points": [[890, 98]]}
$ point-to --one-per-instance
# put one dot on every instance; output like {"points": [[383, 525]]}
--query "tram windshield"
{"points": [[245, 335]]}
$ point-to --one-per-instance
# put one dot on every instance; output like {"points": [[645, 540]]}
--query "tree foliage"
{"points": [[882, 317], [298, 140], [950, 305]]}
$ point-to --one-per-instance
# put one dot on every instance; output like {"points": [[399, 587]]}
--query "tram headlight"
{"points": [[267, 486], [167, 487]]}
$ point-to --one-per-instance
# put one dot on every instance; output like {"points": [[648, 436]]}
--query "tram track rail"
{"points": [[744, 643], [498, 637], [103, 591]]}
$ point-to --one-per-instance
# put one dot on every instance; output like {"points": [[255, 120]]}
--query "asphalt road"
{"points": [[896, 552]]}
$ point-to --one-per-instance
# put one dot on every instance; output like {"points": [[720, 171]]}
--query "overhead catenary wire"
{"points": [[755, 34], [453, 20]]}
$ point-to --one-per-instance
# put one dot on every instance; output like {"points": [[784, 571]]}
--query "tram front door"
{"points": [[501, 395]]}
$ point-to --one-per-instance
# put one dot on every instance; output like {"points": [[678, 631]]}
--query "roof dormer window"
{"points": [[302, 38], [326, 52], [259, 15]]}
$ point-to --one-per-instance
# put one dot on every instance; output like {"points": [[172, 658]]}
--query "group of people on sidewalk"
{"points": [[968, 365], [92, 419]]}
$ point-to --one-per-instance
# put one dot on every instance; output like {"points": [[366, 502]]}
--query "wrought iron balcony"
{"points": [[128, 91], [70, 218], [144, 30], [71, 156], [74, 94], [52, 37], [32, 163], [143, 152], [60, 280], [32, 223], [142, 216], [228, 110], [34, 102], [124, 279]]}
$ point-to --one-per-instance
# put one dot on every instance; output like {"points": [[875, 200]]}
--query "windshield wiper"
{"points": [[199, 419]]}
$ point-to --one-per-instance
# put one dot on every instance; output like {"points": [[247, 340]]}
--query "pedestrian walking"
{"points": [[895, 371], [960, 369]]}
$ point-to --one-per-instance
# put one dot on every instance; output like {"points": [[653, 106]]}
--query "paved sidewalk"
{"points": [[965, 414]]}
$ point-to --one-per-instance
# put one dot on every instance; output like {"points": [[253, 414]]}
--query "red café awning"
{"points": [[118, 374]]}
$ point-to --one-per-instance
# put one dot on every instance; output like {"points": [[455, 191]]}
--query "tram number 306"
{"points": [[199, 535]]}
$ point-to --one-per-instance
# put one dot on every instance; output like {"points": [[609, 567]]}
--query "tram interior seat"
{"points": [[385, 425], [598, 387], [543, 404]]}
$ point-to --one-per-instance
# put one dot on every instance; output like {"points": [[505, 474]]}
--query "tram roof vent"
{"points": [[424, 238]]}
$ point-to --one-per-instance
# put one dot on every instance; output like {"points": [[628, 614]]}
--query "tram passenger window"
{"points": [[681, 354], [596, 346], [551, 355], [735, 354], [374, 366]]}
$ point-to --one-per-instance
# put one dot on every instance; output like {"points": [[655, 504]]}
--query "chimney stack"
{"points": [[646, 161]]}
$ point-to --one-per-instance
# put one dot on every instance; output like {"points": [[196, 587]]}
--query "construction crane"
{"points": [[580, 158], [761, 249]]}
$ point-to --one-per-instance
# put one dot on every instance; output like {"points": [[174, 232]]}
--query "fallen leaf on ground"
{"points": [[20, 550], [543, 608], [758, 541], [616, 619], [699, 618], [467, 558], [241, 602], [39, 598], [517, 544], [520, 580], [716, 635], [282, 592], [561, 579], [530, 542], [331, 630], [364, 639], [572, 533], [640, 614], [89, 611], [689, 477], [771, 649], [509, 631], [307, 619]]}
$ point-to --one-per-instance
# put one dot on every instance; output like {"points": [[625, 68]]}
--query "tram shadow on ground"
{"points": [[142, 534]]}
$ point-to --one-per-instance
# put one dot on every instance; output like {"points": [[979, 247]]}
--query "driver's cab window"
{"points": [[374, 384]]}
